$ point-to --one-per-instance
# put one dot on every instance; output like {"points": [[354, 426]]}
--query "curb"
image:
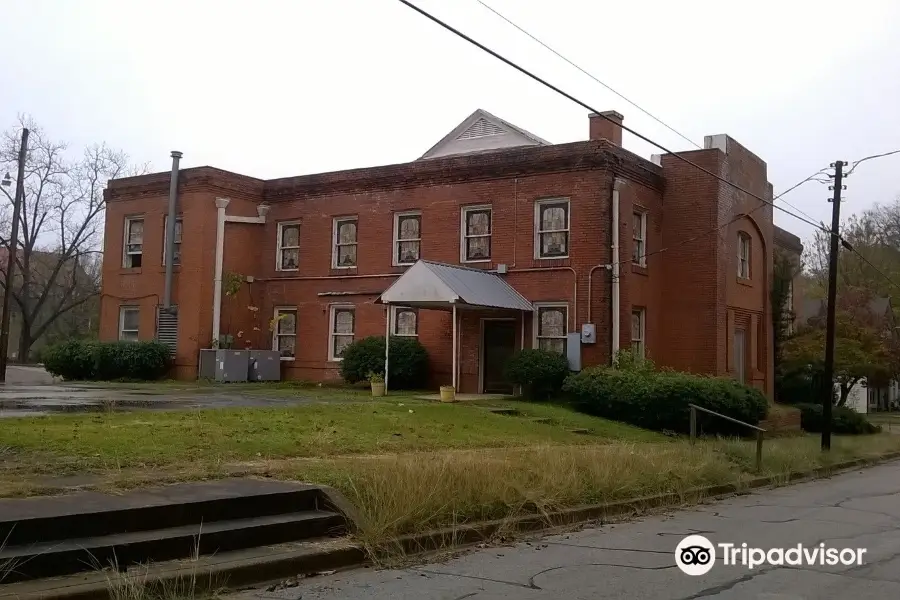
{"points": [[280, 566]]}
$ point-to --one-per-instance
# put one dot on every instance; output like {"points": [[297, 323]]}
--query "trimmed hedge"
{"points": [[408, 361], [541, 373], [844, 420], [659, 400], [88, 359]]}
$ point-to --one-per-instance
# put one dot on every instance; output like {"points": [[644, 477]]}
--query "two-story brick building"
{"points": [[316, 253]]}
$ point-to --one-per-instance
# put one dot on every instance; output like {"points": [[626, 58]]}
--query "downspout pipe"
{"points": [[170, 231], [616, 270]]}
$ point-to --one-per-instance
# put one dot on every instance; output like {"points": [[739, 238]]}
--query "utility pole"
{"points": [[828, 392], [11, 256]]}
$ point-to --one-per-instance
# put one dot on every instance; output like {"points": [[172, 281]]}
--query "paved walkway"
{"points": [[636, 560]]}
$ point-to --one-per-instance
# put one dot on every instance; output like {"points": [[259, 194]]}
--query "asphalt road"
{"points": [[860, 509]]}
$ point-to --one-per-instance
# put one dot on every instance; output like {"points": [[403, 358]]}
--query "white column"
{"points": [[221, 205], [387, 343], [455, 348]]}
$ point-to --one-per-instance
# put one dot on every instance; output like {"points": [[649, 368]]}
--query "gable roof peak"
{"points": [[481, 131]]}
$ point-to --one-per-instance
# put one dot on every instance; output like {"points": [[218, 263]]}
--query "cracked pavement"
{"points": [[859, 509]]}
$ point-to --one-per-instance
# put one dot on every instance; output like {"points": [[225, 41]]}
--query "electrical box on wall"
{"points": [[573, 350], [588, 333]]}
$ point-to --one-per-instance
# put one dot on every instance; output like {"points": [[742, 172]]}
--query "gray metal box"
{"points": [[265, 365], [232, 365], [573, 350], [207, 368]]}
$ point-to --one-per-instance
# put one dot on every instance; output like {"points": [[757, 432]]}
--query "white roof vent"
{"points": [[481, 128]]}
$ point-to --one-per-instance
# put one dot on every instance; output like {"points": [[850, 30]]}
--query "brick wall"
{"points": [[684, 290]]}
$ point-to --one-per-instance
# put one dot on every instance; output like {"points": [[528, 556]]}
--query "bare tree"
{"points": [[61, 227]]}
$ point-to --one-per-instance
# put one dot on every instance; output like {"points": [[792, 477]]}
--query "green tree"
{"points": [[865, 345]]}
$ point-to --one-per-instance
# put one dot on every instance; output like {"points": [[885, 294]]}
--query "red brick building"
{"points": [[317, 251]]}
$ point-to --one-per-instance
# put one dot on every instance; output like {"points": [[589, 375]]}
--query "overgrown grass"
{"points": [[414, 492]]}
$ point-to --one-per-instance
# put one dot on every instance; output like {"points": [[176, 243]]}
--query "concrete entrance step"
{"points": [[193, 577], [121, 550], [25, 521], [83, 532]]}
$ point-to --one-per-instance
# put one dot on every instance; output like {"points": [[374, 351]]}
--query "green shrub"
{"points": [[800, 385], [87, 359], [659, 399], [541, 373], [71, 360], [844, 420], [408, 361]]}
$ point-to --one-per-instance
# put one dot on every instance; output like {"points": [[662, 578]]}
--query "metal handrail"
{"points": [[760, 432]]}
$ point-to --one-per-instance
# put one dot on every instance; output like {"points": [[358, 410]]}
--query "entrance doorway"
{"points": [[498, 344]]}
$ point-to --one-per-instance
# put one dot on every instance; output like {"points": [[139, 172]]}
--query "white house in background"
{"points": [[858, 398]]}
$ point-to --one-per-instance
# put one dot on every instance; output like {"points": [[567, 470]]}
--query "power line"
{"points": [[640, 136], [729, 222], [856, 164], [608, 87]]}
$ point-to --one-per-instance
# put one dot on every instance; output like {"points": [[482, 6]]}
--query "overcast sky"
{"points": [[279, 88]]}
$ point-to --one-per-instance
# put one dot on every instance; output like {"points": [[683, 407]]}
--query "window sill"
{"points": [[286, 358], [639, 269], [335, 360], [561, 257], [745, 281], [477, 261], [130, 270], [287, 270]]}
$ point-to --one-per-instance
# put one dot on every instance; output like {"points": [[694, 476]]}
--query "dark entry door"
{"points": [[499, 345]]}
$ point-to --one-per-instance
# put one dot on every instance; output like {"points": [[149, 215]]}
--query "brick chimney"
{"points": [[602, 129]]}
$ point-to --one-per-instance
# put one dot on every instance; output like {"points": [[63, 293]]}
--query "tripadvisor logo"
{"points": [[696, 555]]}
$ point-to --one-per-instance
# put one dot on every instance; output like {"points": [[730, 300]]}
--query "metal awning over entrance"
{"points": [[439, 286]]}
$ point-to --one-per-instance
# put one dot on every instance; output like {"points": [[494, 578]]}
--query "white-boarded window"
{"points": [[284, 331], [476, 233], [407, 238], [345, 243], [550, 326], [134, 242], [639, 239], [638, 325], [743, 256], [288, 254], [551, 227], [178, 229], [406, 321], [342, 327], [129, 323]]}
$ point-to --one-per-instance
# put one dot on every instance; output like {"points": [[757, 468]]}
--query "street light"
{"points": [[7, 180]]}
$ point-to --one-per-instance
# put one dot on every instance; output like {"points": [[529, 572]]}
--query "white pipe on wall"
{"points": [[387, 344], [221, 205], [455, 347], [616, 313]]}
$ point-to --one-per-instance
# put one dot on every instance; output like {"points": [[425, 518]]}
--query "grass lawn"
{"points": [[208, 439], [406, 464]]}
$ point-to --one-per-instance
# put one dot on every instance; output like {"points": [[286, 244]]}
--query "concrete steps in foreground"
{"points": [[89, 532]]}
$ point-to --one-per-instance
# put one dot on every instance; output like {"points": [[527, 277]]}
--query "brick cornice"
{"points": [[189, 180], [515, 162]]}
